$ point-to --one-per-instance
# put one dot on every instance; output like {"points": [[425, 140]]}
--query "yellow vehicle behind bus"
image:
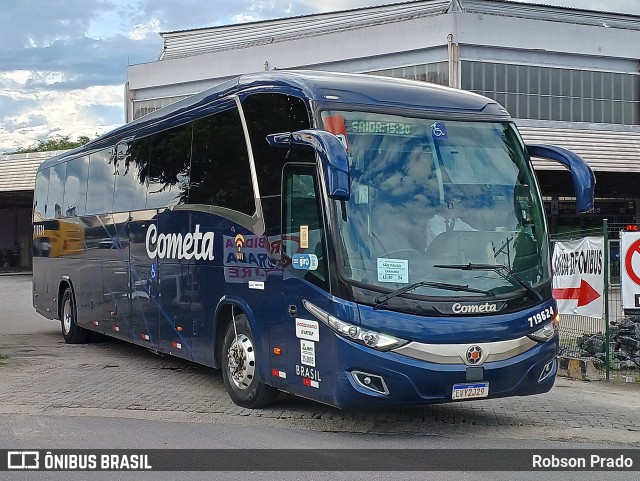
{"points": [[57, 238]]}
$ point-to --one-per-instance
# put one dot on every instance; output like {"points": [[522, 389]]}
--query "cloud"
{"points": [[188, 14], [244, 18], [63, 63], [104, 114], [141, 31], [9, 103], [27, 121], [43, 114], [35, 23], [60, 74], [335, 5], [104, 61], [620, 6]]}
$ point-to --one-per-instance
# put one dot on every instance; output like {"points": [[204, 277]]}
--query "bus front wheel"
{"points": [[70, 331], [240, 367]]}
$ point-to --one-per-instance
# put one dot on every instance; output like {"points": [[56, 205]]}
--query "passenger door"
{"points": [[269, 113], [304, 259]]}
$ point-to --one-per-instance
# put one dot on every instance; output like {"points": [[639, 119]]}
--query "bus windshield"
{"points": [[429, 197]]}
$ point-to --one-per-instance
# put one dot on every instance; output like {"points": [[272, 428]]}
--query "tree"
{"points": [[58, 143]]}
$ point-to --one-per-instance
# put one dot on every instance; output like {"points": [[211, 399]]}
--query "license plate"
{"points": [[470, 391]]}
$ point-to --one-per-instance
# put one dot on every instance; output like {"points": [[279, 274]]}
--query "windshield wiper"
{"points": [[502, 270], [438, 285]]}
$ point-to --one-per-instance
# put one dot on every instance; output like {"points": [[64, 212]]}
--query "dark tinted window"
{"points": [[75, 186], [100, 188], [269, 114], [557, 94], [131, 166], [220, 173], [55, 199], [466, 76], [169, 161], [40, 195], [534, 80], [633, 92], [501, 84]]}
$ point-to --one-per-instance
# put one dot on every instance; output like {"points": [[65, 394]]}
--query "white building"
{"points": [[569, 77]]}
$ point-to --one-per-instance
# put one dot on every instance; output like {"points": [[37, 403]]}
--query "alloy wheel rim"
{"points": [[66, 316], [241, 362]]}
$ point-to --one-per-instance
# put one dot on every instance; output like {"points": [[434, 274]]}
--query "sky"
{"points": [[63, 63]]}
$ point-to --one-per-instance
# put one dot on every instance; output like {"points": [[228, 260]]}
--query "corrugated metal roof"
{"points": [[185, 43], [604, 151], [540, 11], [198, 41], [18, 171]]}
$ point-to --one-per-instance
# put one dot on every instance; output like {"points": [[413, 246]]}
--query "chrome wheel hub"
{"points": [[242, 362], [66, 317]]}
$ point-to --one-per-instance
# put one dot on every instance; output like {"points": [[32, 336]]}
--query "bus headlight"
{"points": [[368, 337], [545, 333]]}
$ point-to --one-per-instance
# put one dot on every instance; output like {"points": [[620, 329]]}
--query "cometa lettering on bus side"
{"points": [[194, 245]]}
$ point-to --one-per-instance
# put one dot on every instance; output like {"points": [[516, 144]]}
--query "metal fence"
{"points": [[612, 343]]}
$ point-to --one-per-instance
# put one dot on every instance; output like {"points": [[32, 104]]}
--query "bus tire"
{"points": [[240, 368], [70, 331]]}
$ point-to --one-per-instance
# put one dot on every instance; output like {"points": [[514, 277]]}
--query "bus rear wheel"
{"points": [[70, 331], [240, 368]]}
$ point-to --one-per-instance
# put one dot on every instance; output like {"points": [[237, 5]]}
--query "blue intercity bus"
{"points": [[350, 239]]}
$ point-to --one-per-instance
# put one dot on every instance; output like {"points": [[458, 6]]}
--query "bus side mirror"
{"points": [[584, 180], [332, 154]]}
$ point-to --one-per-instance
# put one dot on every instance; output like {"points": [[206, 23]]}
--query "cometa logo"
{"points": [[194, 245], [458, 308]]}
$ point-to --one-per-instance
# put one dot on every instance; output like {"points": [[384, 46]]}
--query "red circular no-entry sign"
{"points": [[633, 248]]}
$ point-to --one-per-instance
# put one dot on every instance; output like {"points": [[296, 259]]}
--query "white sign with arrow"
{"points": [[578, 276]]}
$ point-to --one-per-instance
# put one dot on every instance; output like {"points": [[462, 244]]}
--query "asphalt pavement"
{"points": [[117, 379], [114, 394]]}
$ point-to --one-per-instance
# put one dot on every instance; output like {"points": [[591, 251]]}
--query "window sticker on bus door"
{"points": [[439, 131], [305, 262], [335, 125], [304, 237], [393, 270]]}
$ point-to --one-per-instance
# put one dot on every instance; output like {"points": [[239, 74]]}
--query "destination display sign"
{"points": [[377, 127]]}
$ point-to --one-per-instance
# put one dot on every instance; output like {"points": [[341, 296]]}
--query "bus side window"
{"points": [[100, 188], [75, 187], [220, 172], [55, 199], [169, 163], [269, 114], [40, 196], [132, 160]]}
